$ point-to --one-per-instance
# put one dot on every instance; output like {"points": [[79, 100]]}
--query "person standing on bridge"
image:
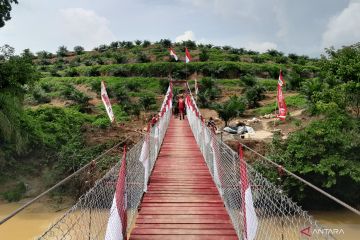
{"points": [[181, 105]]}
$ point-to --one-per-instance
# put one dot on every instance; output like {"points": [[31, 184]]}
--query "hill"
{"points": [[55, 106]]}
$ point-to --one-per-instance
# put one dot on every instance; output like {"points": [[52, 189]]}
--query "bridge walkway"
{"points": [[182, 201]]}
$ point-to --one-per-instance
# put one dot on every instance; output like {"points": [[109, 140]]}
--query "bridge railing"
{"points": [[278, 216], [88, 218]]}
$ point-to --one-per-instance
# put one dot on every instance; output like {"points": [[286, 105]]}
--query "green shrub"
{"points": [[165, 43], [88, 63], [71, 72], [16, 193], [52, 127], [164, 85], [118, 91], [147, 101], [62, 51], [208, 91], [254, 94], [47, 86], [146, 43], [204, 56], [132, 86], [92, 72], [120, 58], [102, 122], [114, 45], [142, 58], [248, 80], [232, 57], [230, 109], [132, 109], [71, 93], [102, 48], [324, 151], [78, 50], [40, 95], [268, 84]]}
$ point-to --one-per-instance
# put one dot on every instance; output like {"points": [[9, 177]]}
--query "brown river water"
{"points": [[32, 222]]}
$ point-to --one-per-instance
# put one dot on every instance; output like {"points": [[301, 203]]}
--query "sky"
{"points": [[290, 26]]}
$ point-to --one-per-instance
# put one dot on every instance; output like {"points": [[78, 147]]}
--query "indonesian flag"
{"points": [[196, 87], [173, 54], [281, 99], [144, 157], [105, 99], [247, 205], [116, 227], [187, 57], [215, 152]]}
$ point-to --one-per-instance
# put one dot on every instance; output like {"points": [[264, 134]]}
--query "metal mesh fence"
{"points": [[88, 218], [278, 216]]}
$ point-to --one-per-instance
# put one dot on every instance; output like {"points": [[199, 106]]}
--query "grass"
{"points": [[268, 84], [297, 101], [149, 84]]}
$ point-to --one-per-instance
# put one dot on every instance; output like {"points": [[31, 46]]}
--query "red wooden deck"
{"points": [[182, 201]]}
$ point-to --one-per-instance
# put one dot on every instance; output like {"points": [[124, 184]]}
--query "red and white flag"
{"points": [[281, 99], [105, 99], [187, 57], [247, 205], [116, 227], [216, 158], [196, 87], [173, 54], [144, 157]]}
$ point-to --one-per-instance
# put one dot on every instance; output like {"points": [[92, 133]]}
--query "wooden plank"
{"points": [[184, 216], [201, 204], [182, 220], [185, 226], [182, 237], [165, 231], [211, 212]]}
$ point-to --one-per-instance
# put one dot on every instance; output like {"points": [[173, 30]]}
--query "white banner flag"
{"points": [[105, 99], [249, 218], [144, 159], [117, 223]]}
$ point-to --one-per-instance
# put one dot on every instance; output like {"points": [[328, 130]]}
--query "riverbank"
{"points": [[33, 221]]}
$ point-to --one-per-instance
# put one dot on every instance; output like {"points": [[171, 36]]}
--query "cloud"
{"points": [[85, 28], [261, 46], [344, 28], [188, 35], [281, 19]]}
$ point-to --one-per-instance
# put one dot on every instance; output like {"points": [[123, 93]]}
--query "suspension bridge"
{"points": [[182, 182]]}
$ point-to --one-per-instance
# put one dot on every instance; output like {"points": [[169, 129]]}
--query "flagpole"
{"points": [[276, 108], [185, 64]]}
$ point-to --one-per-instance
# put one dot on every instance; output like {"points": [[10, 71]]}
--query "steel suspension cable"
{"points": [[20, 209]]}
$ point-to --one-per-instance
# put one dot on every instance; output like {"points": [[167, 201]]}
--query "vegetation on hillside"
{"points": [[51, 101], [327, 152]]}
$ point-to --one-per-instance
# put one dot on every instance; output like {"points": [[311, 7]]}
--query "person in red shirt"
{"points": [[181, 105]]}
